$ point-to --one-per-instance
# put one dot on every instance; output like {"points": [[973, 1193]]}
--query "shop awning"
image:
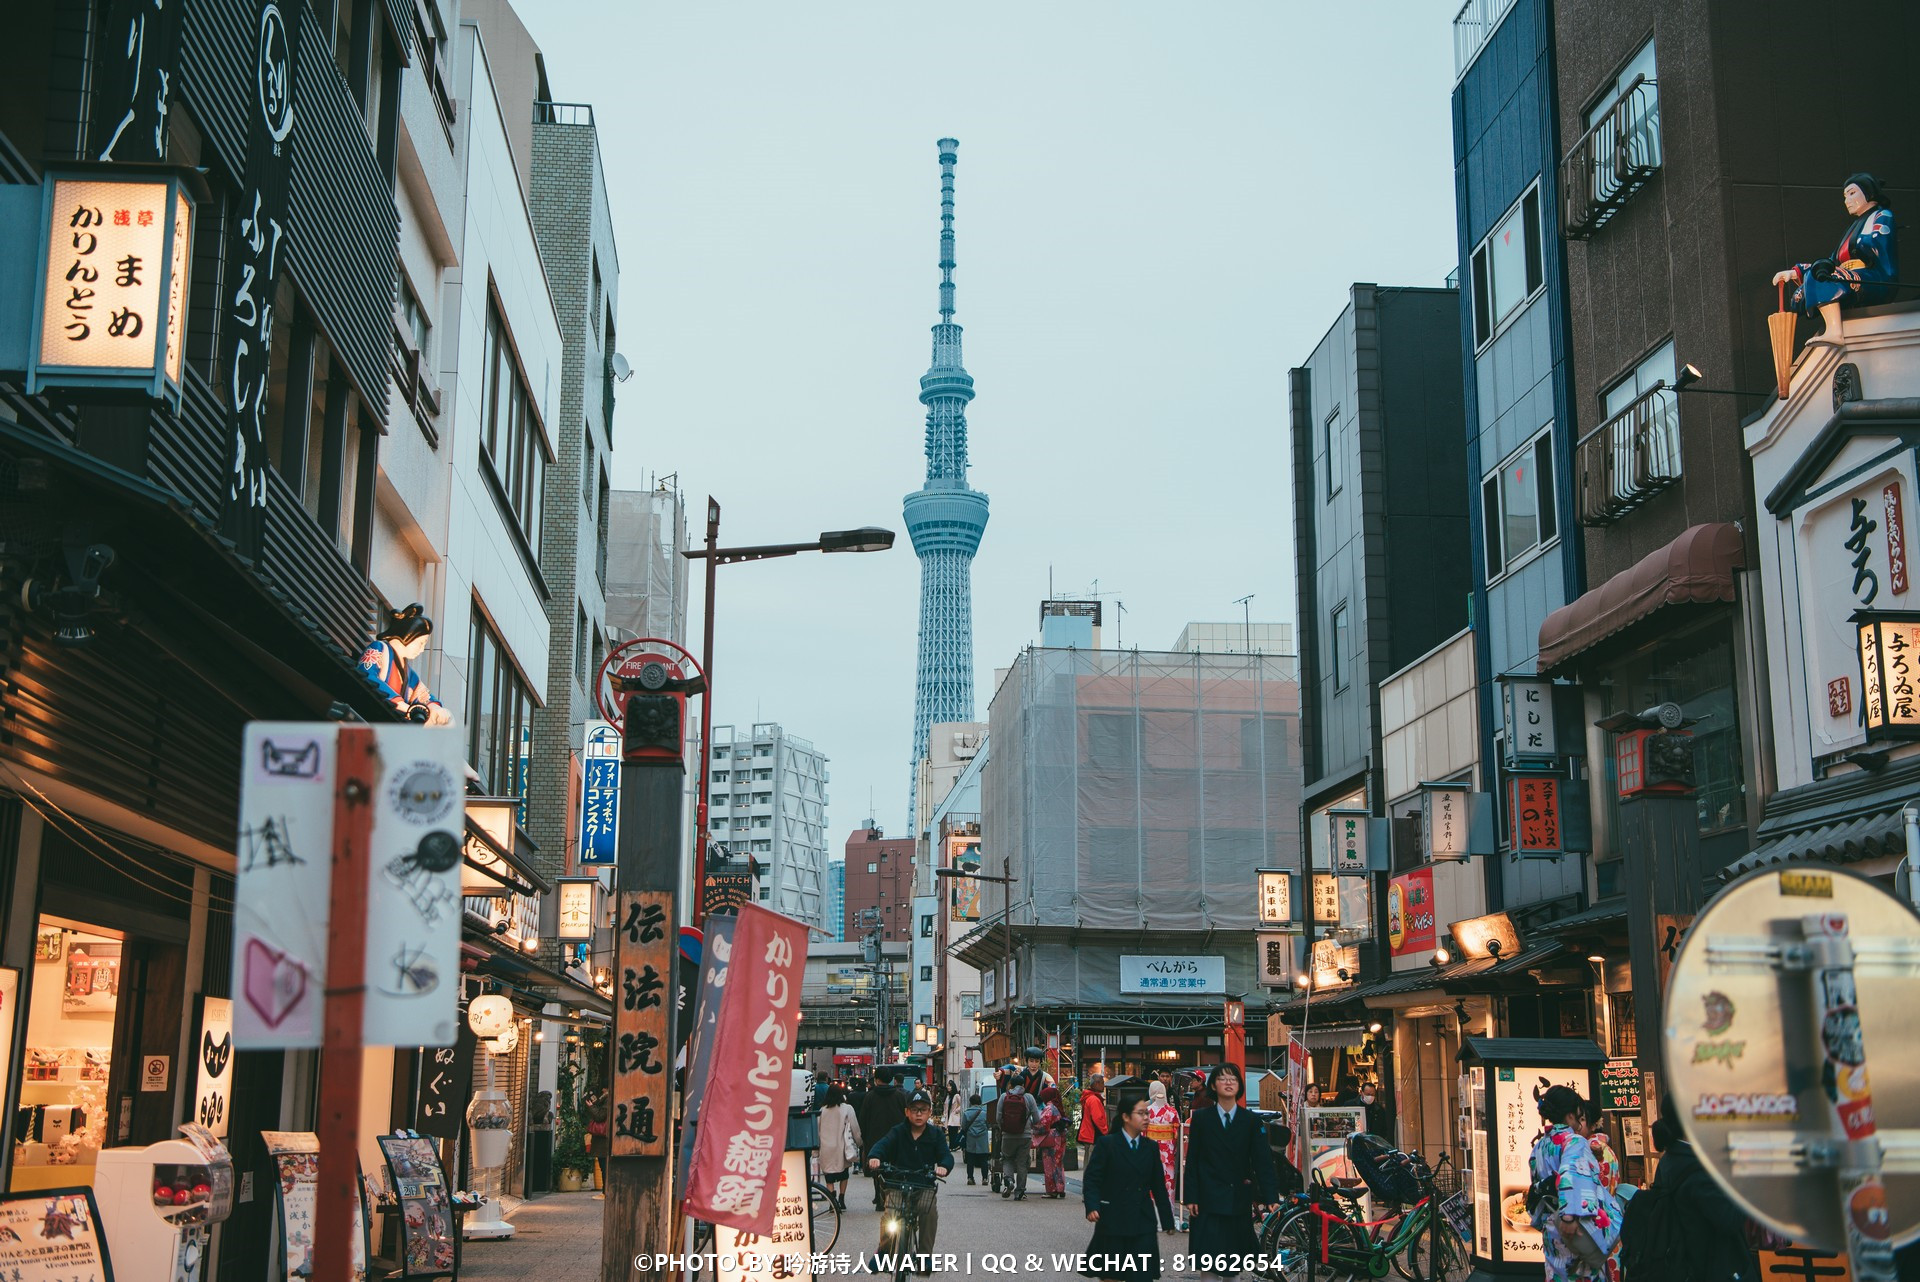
{"points": [[1340, 1037], [983, 947], [1696, 567], [487, 855]]}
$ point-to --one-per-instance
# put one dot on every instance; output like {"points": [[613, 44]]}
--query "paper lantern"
{"points": [[506, 1042], [489, 1016]]}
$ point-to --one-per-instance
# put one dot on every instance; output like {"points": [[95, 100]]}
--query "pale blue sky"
{"points": [[1160, 208]]}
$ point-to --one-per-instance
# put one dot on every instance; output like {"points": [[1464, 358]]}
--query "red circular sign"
{"points": [[625, 662]]}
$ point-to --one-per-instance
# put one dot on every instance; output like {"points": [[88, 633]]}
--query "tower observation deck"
{"points": [[945, 517]]}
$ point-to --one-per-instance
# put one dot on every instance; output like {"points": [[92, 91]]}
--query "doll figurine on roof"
{"points": [[388, 663], [1861, 271]]}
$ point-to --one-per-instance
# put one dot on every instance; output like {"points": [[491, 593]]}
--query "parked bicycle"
{"points": [[903, 1215], [1395, 1236]]}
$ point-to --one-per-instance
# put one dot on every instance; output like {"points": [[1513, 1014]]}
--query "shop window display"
{"points": [[73, 998]]}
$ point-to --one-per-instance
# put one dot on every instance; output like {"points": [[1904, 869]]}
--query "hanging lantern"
{"points": [[507, 1042], [490, 1015], [1889, 646]]}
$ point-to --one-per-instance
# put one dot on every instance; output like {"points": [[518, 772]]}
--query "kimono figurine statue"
{"points": [[388, 663], [1862, 270]]}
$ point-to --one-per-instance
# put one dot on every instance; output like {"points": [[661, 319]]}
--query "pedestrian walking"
{"points": [[1683, 1227], [1125, 1192], [1093, 1115], [1163, 1128], [840, 1145], [1035, 1075], [1229, 1175], [913, 1145], [1591, 1126], [1016, 1111], [956, 1105], [976, 1138], [596, 1109], [1046, 1134], [1577, 1217], [885, 1108]]}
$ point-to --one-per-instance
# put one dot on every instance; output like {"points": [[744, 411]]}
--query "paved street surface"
{"points": [[559, 1235]]}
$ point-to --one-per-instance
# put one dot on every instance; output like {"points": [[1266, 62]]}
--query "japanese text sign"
{"points": [[282, 897], [1326, 899], [1534, 814], [1165, 974], [1276, 897], [53, 1235], [212, 1062], [1620, 1086], [645, 949], [1526, 707], [1348, 831], [1443, 816], [574, 911], [1890, 671], [1410, 919], [784, 1255], [113, 282], [600, 794], [1275, 953], [743, 1118]]}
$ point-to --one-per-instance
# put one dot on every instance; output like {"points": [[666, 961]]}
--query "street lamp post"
{"points": [[1007, 879], [865, 539]]}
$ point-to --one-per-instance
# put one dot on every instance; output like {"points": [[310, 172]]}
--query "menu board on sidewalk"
{"points": [[786, 1254], [296, 1165], [427, 1228], [53, 1235]]}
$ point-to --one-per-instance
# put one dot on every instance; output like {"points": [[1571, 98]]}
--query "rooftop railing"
{"points": [[1473, 26], [563, 113]]}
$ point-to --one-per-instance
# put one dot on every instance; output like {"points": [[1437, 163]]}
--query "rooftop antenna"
{"points": [[1120, 625], [1246, 615]]}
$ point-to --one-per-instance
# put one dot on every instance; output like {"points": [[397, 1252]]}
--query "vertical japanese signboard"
{"points": [[1275, 949], [784, 1255], [1534, 814], [1275, 890], [600, 794], [573, 910], [1443, 818], [743, 1117], [1410, 920], [641, 1056], [1326, 899], [253, 267], [1348, 835], [1526, 707], [107, 276], [963, 855], [213, 1065]]}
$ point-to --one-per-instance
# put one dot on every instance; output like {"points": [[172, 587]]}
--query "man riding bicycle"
{"points": [[913, 1145]]}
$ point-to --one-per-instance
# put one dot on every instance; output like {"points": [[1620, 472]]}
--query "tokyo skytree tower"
{"points": [[945, 517]]}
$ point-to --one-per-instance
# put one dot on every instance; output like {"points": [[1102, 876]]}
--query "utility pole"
{"points": [[640, 1195]]}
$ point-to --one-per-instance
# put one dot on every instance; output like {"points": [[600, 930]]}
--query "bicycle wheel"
{"points": [[1298, 1234], [1411, 1263], [825, 1215]]}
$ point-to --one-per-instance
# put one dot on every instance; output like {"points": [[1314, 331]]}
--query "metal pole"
{"points": [[1911, 865], [706, 719], [346, 1000]]}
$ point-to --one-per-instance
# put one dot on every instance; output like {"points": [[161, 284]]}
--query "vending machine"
{"points": [[157, 1204]]}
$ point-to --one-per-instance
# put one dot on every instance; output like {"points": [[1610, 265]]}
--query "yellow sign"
{"points": [[1276, 898], [1807, 885], [106, 253], [576, 910]]}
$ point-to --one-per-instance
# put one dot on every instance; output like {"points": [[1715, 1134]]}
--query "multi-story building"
{"points": [[1135, 794], [1520, 422], [1246, 637], [879, 884], [769, 801], [837, 899], [646, 575], [954, 752]]}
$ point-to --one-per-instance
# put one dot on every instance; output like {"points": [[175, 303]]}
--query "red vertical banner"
{"points": [[1534, 811], [644, 950], [743, 1117]]}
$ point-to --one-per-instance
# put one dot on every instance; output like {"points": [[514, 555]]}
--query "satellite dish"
{"points": [[621, 370]]}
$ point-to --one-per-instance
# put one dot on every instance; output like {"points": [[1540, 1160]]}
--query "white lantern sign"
{"points": [[490, 1015]]}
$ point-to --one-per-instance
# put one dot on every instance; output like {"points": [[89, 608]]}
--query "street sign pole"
{"points": [[358, 766], [639, 1194]]}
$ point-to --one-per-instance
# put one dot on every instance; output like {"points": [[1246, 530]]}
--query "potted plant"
{"points": [[570, 1156]]}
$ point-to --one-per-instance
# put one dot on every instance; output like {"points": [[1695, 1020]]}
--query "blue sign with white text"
{"points": [[600, 794]]}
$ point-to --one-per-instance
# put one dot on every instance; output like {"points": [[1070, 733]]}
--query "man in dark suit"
{"points": [[1229, 1173], [884, 1108]]}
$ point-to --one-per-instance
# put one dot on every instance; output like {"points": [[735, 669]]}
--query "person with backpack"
{"points": [[1016, 1149], [1578, 1218], [1683, 1227], [975, 1137], [884, 1108]]}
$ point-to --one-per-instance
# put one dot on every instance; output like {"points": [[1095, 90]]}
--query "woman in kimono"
{"points": [[1576, 1215], [1864, 267], [1048, 1142], [1163, 1128]]}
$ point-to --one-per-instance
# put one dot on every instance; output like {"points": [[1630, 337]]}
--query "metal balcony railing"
{"points": [[1629, 458], [1473, 26], [414, 384], [563, 113], [1612, 161]]}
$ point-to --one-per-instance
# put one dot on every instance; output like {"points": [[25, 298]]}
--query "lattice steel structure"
{"points": [[945, 517]]}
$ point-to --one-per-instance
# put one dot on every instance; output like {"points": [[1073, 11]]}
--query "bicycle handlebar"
{"points": [[910, 1176]]}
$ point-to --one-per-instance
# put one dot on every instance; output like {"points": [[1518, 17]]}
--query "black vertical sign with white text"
{"points": [[446, 1079], [259, 230]]}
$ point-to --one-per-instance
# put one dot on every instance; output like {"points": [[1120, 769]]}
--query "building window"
{"points": [[1641, 64], [1338, 649], [1507, 267], [586, 469], [1517, 504], [512, 444], [762, 847], [580, 646], [766, 892], [1657, 368], [926, 974], [600, 535], [599, 650], [926, 926], [720, 776], [1336, 454], [499, 709], [415, 318]]}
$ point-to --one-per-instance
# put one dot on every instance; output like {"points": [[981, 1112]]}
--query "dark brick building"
{"points": [[880, 876]]}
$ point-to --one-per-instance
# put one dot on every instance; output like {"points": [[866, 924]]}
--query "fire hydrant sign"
{"points": [[282, 894]]}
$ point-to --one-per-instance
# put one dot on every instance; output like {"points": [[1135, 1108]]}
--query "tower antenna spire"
{"points": [[949, 153]]}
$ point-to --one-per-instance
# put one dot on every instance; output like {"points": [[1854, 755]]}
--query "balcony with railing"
{"points": [[1628, 459], [1612, 161], [1473, 26], [413, 384], [563, 113]]}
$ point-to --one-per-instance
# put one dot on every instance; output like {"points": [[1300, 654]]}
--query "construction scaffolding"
{"points": [[646, 579], [1136, 794]]}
